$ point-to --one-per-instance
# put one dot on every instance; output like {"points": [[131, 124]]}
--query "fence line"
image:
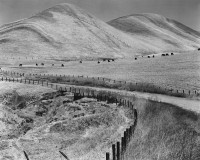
{"points": [[100, 79]]}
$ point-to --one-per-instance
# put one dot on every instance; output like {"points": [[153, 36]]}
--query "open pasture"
{"points": [[180, 71]]}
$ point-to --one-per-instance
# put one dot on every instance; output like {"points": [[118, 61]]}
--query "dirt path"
{"points": [[189, 104]]}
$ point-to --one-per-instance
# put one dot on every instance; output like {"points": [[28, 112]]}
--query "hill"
{"points": [[156, 30], [66, 32]]}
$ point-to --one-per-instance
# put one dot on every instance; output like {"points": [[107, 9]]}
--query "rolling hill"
{"points": [[66, 32], [158, 31]]}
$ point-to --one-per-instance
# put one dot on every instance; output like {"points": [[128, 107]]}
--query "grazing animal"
{"points": [[108, 60], [52, 64], [198, 49], [172, 53], [104, 60], [80, 61], [36, 64], [20, 65], [167, 54], [149, 57], [135, 58], [98, 62], [42, 64], [153, 56], [113, 60], [62, 65], [163, 54]]}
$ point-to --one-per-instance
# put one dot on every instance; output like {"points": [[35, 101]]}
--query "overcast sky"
{"points": [[184, 11]]}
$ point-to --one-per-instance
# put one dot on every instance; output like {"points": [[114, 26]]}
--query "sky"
{"points": [[184, 11]]}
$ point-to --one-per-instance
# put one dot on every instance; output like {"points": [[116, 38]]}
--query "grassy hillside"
{"points": [[158, 31], [66, 32]]}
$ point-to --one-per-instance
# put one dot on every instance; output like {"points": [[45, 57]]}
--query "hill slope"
{"points": [[159, 31], [66, 32]]}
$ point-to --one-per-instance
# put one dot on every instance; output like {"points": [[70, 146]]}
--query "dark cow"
{"points": [[52, 64], [104, 60], [98, 62], [108, 60], [36, 64], [172, 54], [198, 49], [20, 65], [135, 58], [81, 62], [62, 65], [163, 54], [153, 56], [149, 57], [167, 54], [42, 64], [113, 60]]}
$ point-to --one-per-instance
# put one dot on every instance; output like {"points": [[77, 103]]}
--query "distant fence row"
{"points": [[174, 91], [120, 147]]}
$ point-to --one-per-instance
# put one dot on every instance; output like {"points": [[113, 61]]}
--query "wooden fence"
{"points": [[101, 79]]}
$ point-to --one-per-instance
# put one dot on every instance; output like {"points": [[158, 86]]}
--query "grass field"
{"points": [[181, 71], [165, 132]]}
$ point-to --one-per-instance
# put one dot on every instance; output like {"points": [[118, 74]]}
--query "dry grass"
{"points": [[165, 132], [81, 81]]}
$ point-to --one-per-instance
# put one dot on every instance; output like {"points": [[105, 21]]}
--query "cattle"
{"points": [[153, 56], [108, 60], [113, 60], [149, 57], [62, 65], [135, 58], [172, 54], [42, 64], [98, 62], [81, 62], [163, 54], [20, 65], [167, 54], [198, 49], [52, 64], [36, 64], [104, 60]]}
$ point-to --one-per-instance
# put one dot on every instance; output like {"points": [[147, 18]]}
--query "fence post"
{"points": [[113, 152], [122, 148], [118, 150], [125, 140], [107, 156]]}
